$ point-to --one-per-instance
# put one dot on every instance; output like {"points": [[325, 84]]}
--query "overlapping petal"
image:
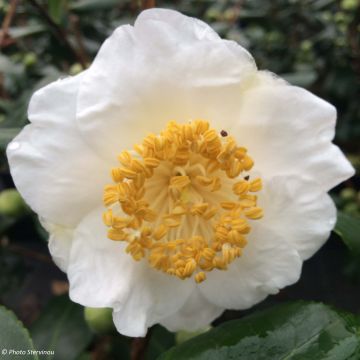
{"points": [[299, 211], [57, 173], [268, 264], [288, 131], [101, 274], [194, 315], [168, 66], [60, 241]]}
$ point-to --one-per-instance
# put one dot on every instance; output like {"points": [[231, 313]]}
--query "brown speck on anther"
{"points": [[223, 133], [247, 177]]}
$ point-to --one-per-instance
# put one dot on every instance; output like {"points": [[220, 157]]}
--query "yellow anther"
{"points": [[234, 236], [149, 141], [111, 195], [240, 225], [241, 187], [247, 203], [188, 132], [229, 205], [210, 213], [117, 235], [210, 136], [120, 222], [256, 185], [172, 222], [220, 263], [230, 147], [234, 170], [179, 210], [212, 166], [240, 153], [180, 181], [116, 175], [203, 180], [221, 233], [137, 166], [139, 149], [127, 173], [150, 215], [201, 126], [254, 213], [189, 268], [146, 231], [160, 232], [166, 205], [199, 209], [247, 163], [200, 277], [108, 217], [208, 254], [125, 158], [216, 184], [227, 254], [151, 162]]}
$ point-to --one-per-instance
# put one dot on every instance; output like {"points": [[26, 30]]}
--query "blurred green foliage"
{"points": [[311, 43]]}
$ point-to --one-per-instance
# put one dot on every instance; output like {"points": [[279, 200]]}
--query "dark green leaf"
{"points": [[21, 31], [295, 331], [91, 5], [13, 336], [57, 9], [61, 328], [6, 135], [348, 228], [8, 67], [6, 222], [160, 341]]}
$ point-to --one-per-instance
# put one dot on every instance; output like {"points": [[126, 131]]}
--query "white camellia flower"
{"points": [[175, 179]]}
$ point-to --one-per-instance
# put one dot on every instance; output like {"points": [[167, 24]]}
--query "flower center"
{"points": [[181, 200]]}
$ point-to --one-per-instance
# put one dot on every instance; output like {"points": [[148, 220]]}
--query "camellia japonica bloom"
{"points": [[175, 179]]}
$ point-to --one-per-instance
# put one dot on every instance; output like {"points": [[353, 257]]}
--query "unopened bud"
{"points": [[348, 194], [99, 319], [12, 204]]}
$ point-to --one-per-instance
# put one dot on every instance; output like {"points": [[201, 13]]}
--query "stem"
{"points": [[75, 21], [138, 347], [29, 254], [148, 4], [7, 22]]}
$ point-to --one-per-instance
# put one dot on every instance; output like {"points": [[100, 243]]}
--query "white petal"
{"points": [[167, 67], [101, 274], [60, 241], [195, 314], [288, 130], [267, 264], [56, 172], [299, 211]]}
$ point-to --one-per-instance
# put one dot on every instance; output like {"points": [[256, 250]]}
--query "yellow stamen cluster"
{"points": [[204, 221]]}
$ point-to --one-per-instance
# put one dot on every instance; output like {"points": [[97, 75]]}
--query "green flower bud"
{"points": [[348, 194], [30, 59], [306, 45], [75, 69], [12, 204], [99, 319], [349, 4]]}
